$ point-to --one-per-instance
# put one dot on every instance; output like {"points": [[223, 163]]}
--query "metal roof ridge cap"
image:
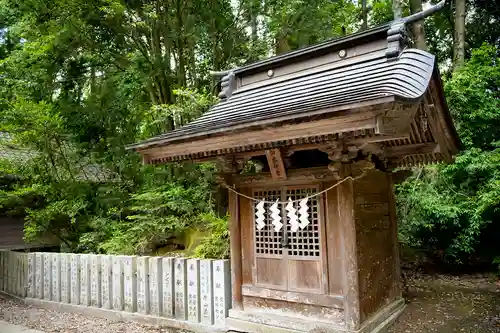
{"points": [[311, 48], [397, 37]]}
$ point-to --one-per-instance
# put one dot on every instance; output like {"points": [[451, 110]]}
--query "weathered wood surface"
{"points": [[376, 234], [236, 253], [276, 163], [294, 297], [351, 284]]}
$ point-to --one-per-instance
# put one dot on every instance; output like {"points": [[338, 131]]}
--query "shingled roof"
{"points": [[369, 84], [313, 92]]}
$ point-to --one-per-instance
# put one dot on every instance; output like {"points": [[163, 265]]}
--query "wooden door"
{"points": [[288, 260]]}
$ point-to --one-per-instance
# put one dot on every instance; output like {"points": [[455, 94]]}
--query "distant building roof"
{"points": [[12, 236], [88, 171], [10, 151]]}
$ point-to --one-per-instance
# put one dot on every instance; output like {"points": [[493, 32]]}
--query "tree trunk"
{"points": [[181, 66], [459, 47], [397, 9], [282, 45], [364, 13], [418, 27]]}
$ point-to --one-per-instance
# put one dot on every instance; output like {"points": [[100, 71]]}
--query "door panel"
{"points": [[304, 275], [270, 272], [289, 260], [304, 245]]}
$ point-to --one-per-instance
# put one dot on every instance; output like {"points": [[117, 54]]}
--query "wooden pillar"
{"points": [[235, 242], [394, 229], [350, 255]]}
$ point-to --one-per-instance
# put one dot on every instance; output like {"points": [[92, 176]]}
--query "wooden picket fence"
{"points": [[191, 290]]}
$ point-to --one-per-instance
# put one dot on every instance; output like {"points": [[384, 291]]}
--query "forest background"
{"points": [[81, 79]]}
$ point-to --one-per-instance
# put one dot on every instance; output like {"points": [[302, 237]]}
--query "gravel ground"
{"points": [[15, 312], [449, 304], [441, 304]]}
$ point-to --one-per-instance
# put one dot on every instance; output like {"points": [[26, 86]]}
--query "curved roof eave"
{"points": [[405, 79]]}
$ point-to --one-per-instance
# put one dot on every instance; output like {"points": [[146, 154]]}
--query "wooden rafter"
{"points": [[415, 149]]}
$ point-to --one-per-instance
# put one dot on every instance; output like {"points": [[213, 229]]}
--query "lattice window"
{"points": [[304, 242], [268, 241]]}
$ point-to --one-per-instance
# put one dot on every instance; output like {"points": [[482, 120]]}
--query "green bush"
{"points": [[451, 210], [216, 245]]}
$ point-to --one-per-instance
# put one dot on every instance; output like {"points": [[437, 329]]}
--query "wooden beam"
{"points": [[438, 131], [415, 149], [276, 164], [397, 287], [352, 311], [378, 138], [338, 124], [294, 297]]}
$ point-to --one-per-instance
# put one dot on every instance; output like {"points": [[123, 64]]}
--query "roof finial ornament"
{"points": [[425, 13], [227, 82], [397, 35]]}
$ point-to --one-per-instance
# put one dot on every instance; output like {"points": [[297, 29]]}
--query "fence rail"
{"points": [[190, 290]]}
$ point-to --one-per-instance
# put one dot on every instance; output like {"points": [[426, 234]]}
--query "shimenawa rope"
{"points": [[293, 201]]}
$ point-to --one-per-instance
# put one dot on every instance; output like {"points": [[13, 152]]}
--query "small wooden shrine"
{"points": [[313, 234]]}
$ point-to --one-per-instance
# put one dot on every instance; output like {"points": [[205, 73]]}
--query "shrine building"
{"points": [[323, 127]]}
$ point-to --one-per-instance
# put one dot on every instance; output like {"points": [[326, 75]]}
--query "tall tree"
{"points": [[397, 8], [418, 27], [459, 33], [364, 13]]}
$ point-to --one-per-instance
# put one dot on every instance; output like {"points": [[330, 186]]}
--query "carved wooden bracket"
{"points": [[231, 164], [339, 153]]}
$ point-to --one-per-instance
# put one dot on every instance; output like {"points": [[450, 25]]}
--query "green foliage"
{"points": [[79, 80], [451, 209], [215, 246]]}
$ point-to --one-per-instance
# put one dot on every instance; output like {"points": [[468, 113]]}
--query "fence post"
{"points": [[193, 289], [222, 291], [18, 276], [1, 269], [155, 286], [65, 278], [206, 290], [118, 286], [31, 291], [130, 283], [142, 285], [25, 275], [47, 276], [85, 279], [75, 278], [168, 282], [95, 280], [180, 289], [56, 277], [39, 275], [106, 289], [9, 272]]}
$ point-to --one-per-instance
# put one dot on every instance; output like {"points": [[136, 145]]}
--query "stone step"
{"points": [[253, 320]]}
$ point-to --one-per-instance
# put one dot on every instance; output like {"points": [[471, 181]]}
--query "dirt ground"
{"points": [[438, 303], [446, 304]]}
